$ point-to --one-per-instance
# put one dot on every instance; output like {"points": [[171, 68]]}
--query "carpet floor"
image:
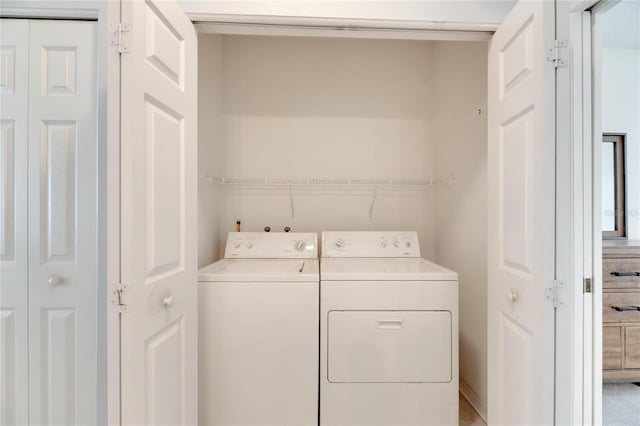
{"points": [[620, 404]]}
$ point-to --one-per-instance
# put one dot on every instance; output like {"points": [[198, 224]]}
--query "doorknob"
{"points": [[55, 280], [168, 301], [512, 296]]}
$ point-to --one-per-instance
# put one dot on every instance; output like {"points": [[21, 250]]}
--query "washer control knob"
{"points": [[408, 244], [383, 243], [396, 244], [237, 244], [339, 244], [250, 245], [300, 245]]}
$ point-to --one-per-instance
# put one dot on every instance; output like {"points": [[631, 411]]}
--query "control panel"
{"points": [[370, 244], [271, 245]]}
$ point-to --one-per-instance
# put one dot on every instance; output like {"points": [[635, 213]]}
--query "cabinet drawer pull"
{"points": [[626, 274], [626, 308]]}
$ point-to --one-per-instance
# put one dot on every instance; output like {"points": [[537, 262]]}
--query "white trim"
{"points": [[112, 165], [473, 399], [335, 27], [342, 23], [45, 10], [584, 127], [568, 363], [593, 144]]}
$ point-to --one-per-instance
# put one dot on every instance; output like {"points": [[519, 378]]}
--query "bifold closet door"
{"points": [[14, 93], [62, 222]]}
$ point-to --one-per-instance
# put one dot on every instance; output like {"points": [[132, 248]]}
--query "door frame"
{"points": [[587, 240], [107, 133]]}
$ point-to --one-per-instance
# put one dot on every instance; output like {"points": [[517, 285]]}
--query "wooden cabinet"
{"points": [[621, 315]]}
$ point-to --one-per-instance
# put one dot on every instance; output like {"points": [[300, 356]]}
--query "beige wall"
{"points": [[460, 11], [460, 126]]}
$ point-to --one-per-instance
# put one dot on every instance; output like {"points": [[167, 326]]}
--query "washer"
{"points": [[388, 333], [258, 332]]}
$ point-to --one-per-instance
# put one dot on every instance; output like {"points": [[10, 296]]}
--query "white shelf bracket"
{"points": [[373, 201], [293, 211]]}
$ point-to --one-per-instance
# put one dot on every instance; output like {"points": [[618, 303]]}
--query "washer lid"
{"points": [[381, 269], [261, 270]]}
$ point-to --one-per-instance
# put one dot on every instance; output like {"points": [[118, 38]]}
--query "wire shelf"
{"points": [[329, 181]]}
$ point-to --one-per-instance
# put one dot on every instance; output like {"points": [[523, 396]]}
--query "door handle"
{"points": [[626, 308], [167, 301], [626, 274], [55, 280]]}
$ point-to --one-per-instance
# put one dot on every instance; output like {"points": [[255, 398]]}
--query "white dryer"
{"points": [[388, 333], [258, 332]]}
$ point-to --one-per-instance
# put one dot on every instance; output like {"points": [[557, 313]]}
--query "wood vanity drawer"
{"points": [[622, 266], [612, 348], [624, 301]]}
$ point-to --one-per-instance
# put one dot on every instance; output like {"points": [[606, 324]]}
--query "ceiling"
{"points": [[621, 25]]}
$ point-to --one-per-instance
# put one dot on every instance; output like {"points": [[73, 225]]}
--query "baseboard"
{"points": [[473, 399]]}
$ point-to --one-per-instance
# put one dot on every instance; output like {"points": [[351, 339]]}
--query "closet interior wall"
{"points": [[290, 107]]}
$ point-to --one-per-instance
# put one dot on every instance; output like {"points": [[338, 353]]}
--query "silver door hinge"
{"points": [[117, 299], [553, 54], [587, 285], [117, 37], [551, 294]]}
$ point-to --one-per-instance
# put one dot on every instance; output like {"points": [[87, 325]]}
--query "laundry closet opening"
{"points": [[323, 134]]}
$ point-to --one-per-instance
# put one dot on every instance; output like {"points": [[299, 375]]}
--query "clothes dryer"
{"points": [[388, 333]]}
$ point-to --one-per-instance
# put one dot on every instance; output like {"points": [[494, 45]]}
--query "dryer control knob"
{"points": [[383, 243], [396, 244], [339, 244], [237, 244], [250, 245], [300, 245]]}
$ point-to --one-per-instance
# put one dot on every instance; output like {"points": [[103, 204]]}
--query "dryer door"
{"points": [[389, 347]]}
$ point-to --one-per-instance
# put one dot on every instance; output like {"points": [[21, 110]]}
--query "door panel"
{"points": [[14, 84], [62, 222], [158, 201], [521, 217]]}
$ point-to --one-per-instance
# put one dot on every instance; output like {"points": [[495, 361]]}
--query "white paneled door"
{"points": [[521, 217], [14, 92], [159, 215], [48, 227], [62, 223]]}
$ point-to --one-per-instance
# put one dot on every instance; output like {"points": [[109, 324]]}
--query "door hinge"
{"points": [[117, 299], [117, 37], [587, 285], [553, 54], [551, 293]]}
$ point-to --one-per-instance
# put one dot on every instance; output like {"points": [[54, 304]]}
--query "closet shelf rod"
{"points": [[329, 181]]}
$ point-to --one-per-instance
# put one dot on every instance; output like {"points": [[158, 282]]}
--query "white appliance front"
{"points": [[388, 346], [258, 333], [388, 335]]}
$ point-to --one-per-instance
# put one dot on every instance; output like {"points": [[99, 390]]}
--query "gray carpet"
{"points": [[620, 404]]}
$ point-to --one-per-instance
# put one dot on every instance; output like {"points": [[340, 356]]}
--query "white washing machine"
{"points": [[258, 332], [388, 333]]}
